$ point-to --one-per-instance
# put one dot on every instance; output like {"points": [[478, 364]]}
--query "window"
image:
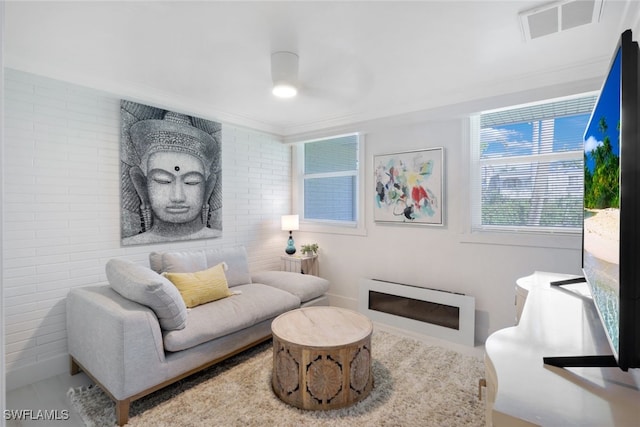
{"points": [[527, 168], [329, 181]]}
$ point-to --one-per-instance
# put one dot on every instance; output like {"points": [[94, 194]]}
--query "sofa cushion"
{"points": [[180, 262], [192, 261], [146, 287], [201, 287], [304, 286], [254, 304]]}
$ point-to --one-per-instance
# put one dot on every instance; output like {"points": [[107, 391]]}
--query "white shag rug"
{"points": [[416, 384]]}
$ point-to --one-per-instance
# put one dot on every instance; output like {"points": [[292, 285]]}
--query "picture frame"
{"points": [[409, 187], [170, 176]]}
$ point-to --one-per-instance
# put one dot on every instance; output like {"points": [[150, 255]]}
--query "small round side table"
{"points": [[322, 357]]}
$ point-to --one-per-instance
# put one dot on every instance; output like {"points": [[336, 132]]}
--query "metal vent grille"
{"points": [[559, 16]]}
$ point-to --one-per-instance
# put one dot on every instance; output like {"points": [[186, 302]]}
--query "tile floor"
{"points": [[49, 394]]}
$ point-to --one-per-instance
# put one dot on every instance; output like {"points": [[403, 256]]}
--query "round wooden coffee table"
{"points": [[321, 357]]}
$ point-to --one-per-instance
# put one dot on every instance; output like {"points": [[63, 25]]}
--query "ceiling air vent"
{"points": [[559, 16]]}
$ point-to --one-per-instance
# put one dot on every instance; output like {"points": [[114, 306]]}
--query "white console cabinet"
{"points": [[523, 391]]}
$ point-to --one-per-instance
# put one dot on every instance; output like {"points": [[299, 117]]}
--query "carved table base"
{"points": [[323, 377]]}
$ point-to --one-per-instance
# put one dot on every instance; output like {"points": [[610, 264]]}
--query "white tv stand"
{"points": [[522, 391]]}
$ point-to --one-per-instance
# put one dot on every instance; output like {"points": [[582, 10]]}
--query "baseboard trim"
{"points": [[38, 371], [343, 302]]}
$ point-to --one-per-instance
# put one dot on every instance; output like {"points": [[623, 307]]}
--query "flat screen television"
{"points": [[611, 231]]}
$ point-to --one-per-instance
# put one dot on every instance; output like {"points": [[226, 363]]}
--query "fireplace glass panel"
{"points": [[424, 311]]}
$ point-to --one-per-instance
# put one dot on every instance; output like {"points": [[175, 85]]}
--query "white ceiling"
{"points": [[359, 60]]}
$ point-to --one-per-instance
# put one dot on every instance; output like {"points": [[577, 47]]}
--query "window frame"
{"points": [[356, 227], [534, 236]]}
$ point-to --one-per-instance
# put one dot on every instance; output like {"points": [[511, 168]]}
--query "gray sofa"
{"points": [[135, 335]]}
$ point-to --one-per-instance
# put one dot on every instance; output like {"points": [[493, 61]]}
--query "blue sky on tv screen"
{"points": [[607, 107]]}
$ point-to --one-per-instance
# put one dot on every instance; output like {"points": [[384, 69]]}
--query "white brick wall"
{"points": [[62, 209]]}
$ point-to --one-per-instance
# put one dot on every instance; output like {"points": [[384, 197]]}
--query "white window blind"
{"points": [[527, 168], [330, 180]]}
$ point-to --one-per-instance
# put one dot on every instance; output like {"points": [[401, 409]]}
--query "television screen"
{"points": [[601, 238]]}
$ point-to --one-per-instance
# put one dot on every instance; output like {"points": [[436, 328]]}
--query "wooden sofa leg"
{"points": [[122, 411], [74, 368]]}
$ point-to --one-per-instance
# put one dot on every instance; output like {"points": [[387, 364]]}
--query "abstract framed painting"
{"points": [[170, 171], [409, 187]]}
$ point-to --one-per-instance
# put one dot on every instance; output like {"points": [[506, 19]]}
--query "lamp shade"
{"points": [[289, 222], [284, 72]]}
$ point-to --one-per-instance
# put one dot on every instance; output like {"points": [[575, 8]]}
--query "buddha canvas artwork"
{"points": [[170, 172]]}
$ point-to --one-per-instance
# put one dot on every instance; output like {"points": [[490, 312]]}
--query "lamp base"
{"points": [[291, 248]]}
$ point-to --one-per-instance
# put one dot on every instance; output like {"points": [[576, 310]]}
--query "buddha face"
{"points": [[176, 186]]}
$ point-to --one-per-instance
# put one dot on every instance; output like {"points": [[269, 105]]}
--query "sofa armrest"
{"points": [[118, 341]]}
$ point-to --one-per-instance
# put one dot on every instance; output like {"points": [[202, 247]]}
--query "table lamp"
{"points": [[290, 223]]}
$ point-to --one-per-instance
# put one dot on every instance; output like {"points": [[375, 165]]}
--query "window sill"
{"points": [[537, 240]]}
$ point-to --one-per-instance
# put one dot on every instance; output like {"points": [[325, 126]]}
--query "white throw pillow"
{"points": [[146, 287]]}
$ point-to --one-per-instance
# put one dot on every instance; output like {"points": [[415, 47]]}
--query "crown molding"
{"points": [[460, 102], [557, 82], [128, 90]]}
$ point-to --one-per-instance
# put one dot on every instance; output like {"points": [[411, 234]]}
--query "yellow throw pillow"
{"points": [[202, 286]]}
